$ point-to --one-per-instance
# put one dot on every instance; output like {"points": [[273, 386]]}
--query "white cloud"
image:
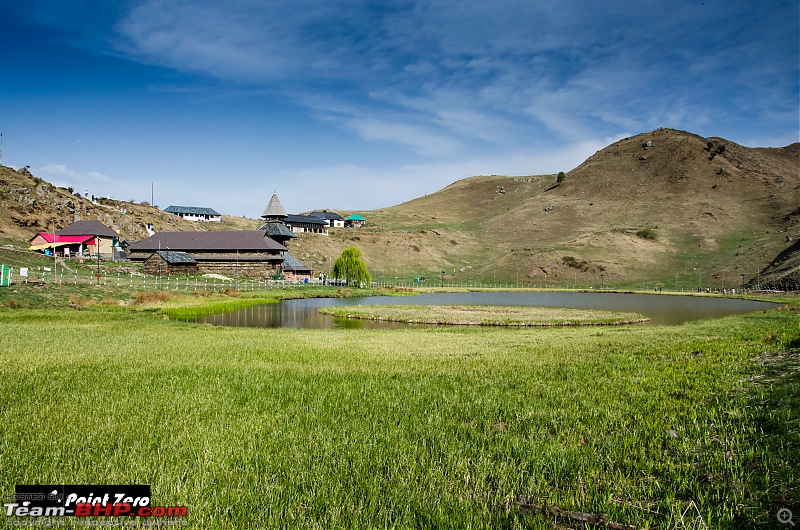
{"points": [[466, 69], [61, 175]]}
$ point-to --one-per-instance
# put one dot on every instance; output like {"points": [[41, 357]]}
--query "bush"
{"points": [[647, 233], [150, 298], [561, 176], [78, 300]]}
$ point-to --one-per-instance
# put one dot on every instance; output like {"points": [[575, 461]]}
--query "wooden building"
{"points": [[169, 262], [294, 269], [239, 253]]}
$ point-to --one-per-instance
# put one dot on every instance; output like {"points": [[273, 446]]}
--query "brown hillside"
{"points": [[29, 205], [717, 210]]}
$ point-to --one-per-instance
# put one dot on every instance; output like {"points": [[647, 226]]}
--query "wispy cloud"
{"points": [[467, 67], [61, 175]]}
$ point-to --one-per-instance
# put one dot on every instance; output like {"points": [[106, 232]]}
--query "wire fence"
{"points": [[138, 281]]}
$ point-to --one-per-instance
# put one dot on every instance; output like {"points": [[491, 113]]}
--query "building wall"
{"points": [[249, 269], [311, 229], [195, 217]]}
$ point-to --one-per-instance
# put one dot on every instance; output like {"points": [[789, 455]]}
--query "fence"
{"points": [[138, 281]]}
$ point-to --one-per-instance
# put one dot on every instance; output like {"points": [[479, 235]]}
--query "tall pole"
{"points": [[1, 149], [54, 251]]}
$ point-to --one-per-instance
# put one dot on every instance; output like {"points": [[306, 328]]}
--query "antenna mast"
{"points": [[1, 149]]}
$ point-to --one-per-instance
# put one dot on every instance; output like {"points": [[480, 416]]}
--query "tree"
{"points": [[351, 266], [561, 176]]}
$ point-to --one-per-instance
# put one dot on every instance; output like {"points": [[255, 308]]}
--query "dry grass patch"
{"points": [[140, 298], [486, 315], [78, 300]]}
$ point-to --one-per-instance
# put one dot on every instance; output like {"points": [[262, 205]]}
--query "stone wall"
{"points": [[261, 270]]}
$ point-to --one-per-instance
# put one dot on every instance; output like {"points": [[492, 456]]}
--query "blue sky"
{"points": [[360, 105]]}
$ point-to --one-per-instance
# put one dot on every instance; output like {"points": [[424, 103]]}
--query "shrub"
{"points": [[647, 233], [150, 298], [561, 176], [77, 299], [12, 304], [230, 291]]}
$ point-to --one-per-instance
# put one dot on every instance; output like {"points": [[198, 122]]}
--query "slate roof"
{"points": [[174, 257], [223, 241], [274, 208], [87, 228], [304, 219], [277, 229], [192, 210], [290, 263], [332, 216]]}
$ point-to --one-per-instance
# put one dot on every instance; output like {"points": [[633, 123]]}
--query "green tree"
{"points": [[561, 176], [351, 266]]}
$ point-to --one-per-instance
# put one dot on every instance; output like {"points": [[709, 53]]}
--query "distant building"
{"points": [[195, 213], [274, 210], [355, 221], [282, 227], [278, 231], [306, 223], [80, 238], [333, 219], [66, 246]]}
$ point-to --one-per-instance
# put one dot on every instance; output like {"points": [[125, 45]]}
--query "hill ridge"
{"points": [[715, 210]]}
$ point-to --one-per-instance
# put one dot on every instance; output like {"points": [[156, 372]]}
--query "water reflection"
{"points": [[662, 309]]}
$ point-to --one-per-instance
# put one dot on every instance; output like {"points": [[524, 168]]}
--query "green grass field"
{"points": [[423, 428]]}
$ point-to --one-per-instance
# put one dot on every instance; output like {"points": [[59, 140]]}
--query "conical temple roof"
{"points": [[274, 208]]}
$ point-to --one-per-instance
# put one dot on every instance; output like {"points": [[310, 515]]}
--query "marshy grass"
{"points": [[213, 307], [420, 428], [485, 315]]}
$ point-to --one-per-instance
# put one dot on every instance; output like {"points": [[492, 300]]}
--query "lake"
{"points": [[662, 309]]}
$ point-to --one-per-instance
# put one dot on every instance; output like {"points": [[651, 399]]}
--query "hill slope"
{"points": [[718, 210], [29, 205], [664, 207]]}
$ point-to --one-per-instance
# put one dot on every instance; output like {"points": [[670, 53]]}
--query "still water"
{"points": [[662, 309]]}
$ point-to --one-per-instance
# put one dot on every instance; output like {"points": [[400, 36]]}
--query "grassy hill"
{"points": [[664, 207]]}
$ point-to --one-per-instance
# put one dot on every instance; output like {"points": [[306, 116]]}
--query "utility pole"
{"points": [[1, 149], [55, 263]]}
